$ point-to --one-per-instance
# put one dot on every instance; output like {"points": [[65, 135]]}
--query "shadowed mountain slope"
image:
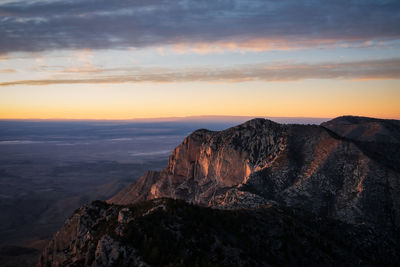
{"points": [[365, 129], [167, 232]]}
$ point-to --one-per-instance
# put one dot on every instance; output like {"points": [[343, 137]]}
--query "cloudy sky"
{"points": [[122, 59]]}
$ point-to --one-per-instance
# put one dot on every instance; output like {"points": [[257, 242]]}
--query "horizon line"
{"points": [[169, 119], [182, 118]]}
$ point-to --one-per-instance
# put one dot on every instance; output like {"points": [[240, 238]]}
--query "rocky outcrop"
{"points": [[266, 194], [86, 240], [139, 191], [167, 232], [303, 166]]}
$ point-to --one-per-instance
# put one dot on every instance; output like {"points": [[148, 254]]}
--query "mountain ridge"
{"points": [[281, 163], [167, 232], [326, 174]]}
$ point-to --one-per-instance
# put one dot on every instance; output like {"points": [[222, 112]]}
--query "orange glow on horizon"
{"points": [[128, 114], [313, 99]]}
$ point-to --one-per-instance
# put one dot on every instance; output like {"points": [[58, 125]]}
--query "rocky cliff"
{"points": [[332, 190], [316, 168]]}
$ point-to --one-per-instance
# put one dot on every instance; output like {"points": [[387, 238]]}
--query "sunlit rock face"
{"points": [[303, 166], [139, 191], [210, 163]]}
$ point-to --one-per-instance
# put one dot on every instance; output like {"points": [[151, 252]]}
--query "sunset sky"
{"points": [[122, 59]]}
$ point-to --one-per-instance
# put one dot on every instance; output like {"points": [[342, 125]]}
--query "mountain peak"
{"points": [[269, 184], [302, 166], [354, 119], [365, 129], [258, 121]]}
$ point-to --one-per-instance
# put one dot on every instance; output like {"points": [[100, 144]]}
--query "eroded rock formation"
{"points": [[303, 166]]}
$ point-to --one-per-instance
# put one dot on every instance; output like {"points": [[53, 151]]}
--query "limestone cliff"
{"points": [[303, 166]]}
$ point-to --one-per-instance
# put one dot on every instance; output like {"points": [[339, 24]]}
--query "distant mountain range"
{"points": [[332, 190], [205, 119]]}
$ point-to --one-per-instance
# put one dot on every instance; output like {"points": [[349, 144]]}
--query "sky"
{"points": [[123, 59]]}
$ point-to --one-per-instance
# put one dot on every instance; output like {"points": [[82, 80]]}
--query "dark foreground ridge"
{"points": [[168, 232], [271, 194]]}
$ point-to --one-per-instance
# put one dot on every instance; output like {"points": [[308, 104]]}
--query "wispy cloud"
{"points": [[203, 26], [359, 70], [7, 71]]}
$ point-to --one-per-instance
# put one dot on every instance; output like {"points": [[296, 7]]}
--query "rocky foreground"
{"points": [[168, 232], [271, 194]]}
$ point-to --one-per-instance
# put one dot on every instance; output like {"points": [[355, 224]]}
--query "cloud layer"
{"points": [[360, 70], [102, 24]]}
